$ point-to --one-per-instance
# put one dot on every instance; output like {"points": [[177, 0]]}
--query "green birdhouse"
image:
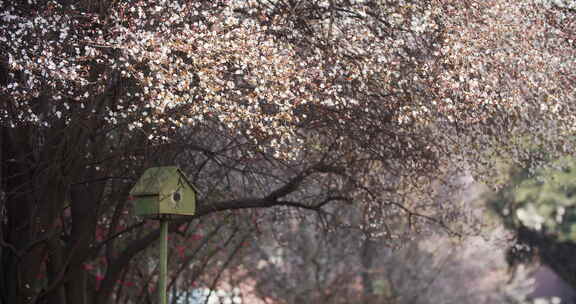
{"points": [[163, 193]]}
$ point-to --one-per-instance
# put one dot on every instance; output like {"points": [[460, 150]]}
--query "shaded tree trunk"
{"points": [[369, 252], [37, 181]]}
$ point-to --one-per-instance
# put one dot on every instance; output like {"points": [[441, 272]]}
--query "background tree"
{"points": [[539, 206], [293, 262]]}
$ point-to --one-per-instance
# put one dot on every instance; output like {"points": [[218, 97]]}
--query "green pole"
{"points": [[163, 261]]}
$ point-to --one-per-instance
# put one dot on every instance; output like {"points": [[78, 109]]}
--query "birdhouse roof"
{"points": [[159, 180]]}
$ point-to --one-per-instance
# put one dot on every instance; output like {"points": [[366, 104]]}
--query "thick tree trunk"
{"points": [[84, 210], [76, 287], [35, 197], [369, 251], [20, 223], [53, 267]]}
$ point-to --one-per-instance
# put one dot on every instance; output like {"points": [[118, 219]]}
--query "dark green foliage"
{"points": [[540, 206]]}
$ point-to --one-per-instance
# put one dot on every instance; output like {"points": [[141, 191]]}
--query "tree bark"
{"points": [[53, 267], [369, 251]]}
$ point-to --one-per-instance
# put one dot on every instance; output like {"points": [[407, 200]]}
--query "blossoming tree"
{"points": [[264, 103]]}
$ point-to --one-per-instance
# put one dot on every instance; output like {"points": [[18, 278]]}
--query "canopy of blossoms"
{"points": [[253, 65]]}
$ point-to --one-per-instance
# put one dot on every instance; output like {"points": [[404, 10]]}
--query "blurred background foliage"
{"points": [[539, 205]]}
